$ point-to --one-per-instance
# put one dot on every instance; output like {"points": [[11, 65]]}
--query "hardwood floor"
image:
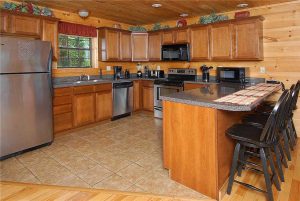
{"points": [[17, 191]]}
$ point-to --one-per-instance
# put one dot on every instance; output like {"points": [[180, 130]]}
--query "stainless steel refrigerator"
{"points": [[25, 95]]}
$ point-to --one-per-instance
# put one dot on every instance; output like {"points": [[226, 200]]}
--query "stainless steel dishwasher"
{"points": [[122, 99]]}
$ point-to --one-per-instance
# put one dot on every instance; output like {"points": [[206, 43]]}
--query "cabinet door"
{"points": [[112, 45], [220, 41], [155, 46], [167, 37], [139, 46], [62, 122], [3, 22], [148, 98], [125, 45], [22, 25], [247, 40], [136, 95], [199, 49], [103, 105], [49, 33], [181, 36], [189, 86], [84, 109]]}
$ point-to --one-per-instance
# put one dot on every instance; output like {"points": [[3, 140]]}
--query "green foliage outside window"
{"points": [[74, 52]]}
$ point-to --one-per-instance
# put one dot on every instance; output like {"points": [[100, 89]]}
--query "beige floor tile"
{"points": [[136, 189], [134, 156], [31, 158], [73, 181], [10, 165], [133, 173], [80, 165], [20, 175], [115, 182], [95, 175], [150, 163]]}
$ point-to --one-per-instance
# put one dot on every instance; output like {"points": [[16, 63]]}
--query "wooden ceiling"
{"points": [[141, 12]]}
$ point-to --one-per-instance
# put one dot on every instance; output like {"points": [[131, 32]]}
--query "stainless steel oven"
{"points": [[161, 90]]}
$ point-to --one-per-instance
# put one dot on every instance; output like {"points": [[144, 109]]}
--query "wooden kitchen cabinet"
{"points": [[125, 46], [247, 39], [103, 98], [181, 36], [83, 105], [154, 42], [167, 37], [23, 25], [147, 95], [199, 48], [221, 41], [62, 109], [139, 43], [4, 22], [50, 33], [189, 86], [136, 95], [109, 44]]}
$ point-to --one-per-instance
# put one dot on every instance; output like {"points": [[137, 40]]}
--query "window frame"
{"points": [[90, 49]]}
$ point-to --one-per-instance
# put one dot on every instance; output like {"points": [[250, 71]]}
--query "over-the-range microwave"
{"points": [[179, 52]]}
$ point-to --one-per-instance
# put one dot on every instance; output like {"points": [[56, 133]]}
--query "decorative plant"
{"points": [[213, 17], [137, 29], [27, 8], [158, 26]]}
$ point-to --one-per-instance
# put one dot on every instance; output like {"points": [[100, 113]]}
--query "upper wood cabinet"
{"points": [[221, 41], [180, 35], [125, 46], [49, 33], [28, 26], [3, 22], [139, 46], [154, 49], [109, 44], [248, 39], [199, 48]]}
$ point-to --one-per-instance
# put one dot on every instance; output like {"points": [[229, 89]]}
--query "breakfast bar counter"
{"points": [[197, 151]]}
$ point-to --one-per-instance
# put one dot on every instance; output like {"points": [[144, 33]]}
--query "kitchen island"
{"points": [[197, 151]]}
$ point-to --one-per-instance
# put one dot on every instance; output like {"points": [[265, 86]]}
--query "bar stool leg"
{"points": [[266, 174], [278, 161], [283, 159], [293, 126], [286, 145], [274, 172], [242, 158], [233, 167], [291, 133]]}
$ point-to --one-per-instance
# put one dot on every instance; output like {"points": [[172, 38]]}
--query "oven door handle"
{"points": [[158, 108]]}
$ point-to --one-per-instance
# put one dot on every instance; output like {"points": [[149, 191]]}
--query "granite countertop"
{"points": [[205, 97]]}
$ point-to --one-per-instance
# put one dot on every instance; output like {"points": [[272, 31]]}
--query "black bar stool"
{"points": [[264, 139]]}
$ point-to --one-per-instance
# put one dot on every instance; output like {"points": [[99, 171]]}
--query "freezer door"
{"points": [[23, 56], [26, 111]]}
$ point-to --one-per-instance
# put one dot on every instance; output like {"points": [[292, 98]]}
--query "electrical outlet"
{"points": [[262, 69], [108, 68]]}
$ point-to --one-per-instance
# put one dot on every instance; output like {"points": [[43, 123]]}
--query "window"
{"points": [[74, 52]]}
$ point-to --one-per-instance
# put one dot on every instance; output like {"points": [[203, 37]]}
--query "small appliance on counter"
{"points": [[205, 73], [117, 72], [139, 73], [232, 74], [146, 71], [156, 74], [127, 74]]}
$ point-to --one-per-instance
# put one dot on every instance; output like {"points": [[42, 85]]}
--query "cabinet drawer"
{"points": [[63, 91], [84, 89], [190, 86], [103, 87], [62, 122], [60, 109], [62, 100]]}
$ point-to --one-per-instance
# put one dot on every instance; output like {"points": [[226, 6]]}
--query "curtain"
{"points": [[77, 29]]}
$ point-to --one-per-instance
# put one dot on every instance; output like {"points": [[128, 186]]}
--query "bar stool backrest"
{"points": [[297, 88], [273, 122]]}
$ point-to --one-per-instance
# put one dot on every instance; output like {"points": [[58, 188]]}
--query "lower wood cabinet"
{"points": [[62, 122], [136, 95], [83, 109], [189, 86], [147, 95], [103, 105]]}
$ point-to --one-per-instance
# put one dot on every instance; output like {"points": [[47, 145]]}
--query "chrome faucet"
{"points": [[84, 77]]}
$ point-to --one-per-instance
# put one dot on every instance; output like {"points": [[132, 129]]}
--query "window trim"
{"points": [[70, 48]]}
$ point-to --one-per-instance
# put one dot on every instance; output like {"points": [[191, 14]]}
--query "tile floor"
{"points": [[121, 155]]}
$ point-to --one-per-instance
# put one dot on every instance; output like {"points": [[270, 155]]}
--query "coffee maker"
{"points": [[117, 72], [205, 72]]}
